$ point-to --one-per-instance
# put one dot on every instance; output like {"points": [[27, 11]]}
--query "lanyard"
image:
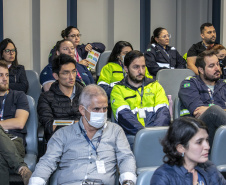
{"points": [[211, 96], [77, 56], [142, 92], [3, 105], [88, 140], [79, 76]]}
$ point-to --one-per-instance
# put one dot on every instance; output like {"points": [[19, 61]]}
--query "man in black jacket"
{"points": [[61, 101]]}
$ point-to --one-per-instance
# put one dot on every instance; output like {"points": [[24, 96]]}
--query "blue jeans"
{"points": [[130, 139]]}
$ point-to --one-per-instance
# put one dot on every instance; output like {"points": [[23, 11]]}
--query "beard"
{"points": [[211, 79], [134, 78], [211, 40]]}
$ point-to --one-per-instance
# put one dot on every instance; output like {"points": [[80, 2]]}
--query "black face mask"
{"points": [[222, 62]]}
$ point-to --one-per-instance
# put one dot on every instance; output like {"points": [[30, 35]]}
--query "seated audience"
{"points": [[221, 53], [83, 76], [17, 76], [113, 72], [73, 34], [186, 149], [89, 149], [14, 114], [61, 101], [138, 101], [160, 55], [208, 35], [203, 96]]}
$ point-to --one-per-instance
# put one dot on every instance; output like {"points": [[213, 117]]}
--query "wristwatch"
{"points": [[128, 182]]}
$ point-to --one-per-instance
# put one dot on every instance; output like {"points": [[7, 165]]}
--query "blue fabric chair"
{"points": [[144, 178], [147, 149], [102, 62], [218, 151], [34, 89], [170, 79]]}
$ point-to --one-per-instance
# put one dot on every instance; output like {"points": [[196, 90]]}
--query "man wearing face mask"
{"points": [[204, 96], [137, 101], [89, 149]]}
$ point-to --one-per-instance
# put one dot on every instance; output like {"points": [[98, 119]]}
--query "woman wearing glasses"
{"points": [[17, 76], [83, 75], [159, 55], [72, 33]]}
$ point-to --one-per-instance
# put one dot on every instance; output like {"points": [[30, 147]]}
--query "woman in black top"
{"points": [[17, 76]]}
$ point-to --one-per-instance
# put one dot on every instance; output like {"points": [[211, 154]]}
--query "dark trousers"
{"points": [[12, 153], [214, 117]]}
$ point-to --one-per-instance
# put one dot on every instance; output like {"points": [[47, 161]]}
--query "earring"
{"points": [[182, 155]]}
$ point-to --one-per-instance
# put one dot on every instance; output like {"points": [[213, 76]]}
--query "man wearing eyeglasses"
{"points": [[61, 101], [88, 151], [208, 35]]}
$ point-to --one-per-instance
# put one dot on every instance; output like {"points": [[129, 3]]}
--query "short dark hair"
{"points": [[131, 56], [3, 64], [3, 45], [200, 60], [180, 132], [156, 33], [67, 31], [118, 49], [202, 27], [60, 60]]}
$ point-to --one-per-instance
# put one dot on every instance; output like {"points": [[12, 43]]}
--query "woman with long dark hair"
{"points": [[17, 76], [186, 148]]}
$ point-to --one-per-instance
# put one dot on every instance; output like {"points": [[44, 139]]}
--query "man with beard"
{"points": [[204, 96], [208, 35], [137, 101], [13, 117]]}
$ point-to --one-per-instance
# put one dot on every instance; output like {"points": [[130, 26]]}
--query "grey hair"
{"points": [[89, 92]]}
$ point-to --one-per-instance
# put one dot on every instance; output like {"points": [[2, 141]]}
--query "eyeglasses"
{"points": [[167, 35], [67, 73], [75, 35], [8, 51]]}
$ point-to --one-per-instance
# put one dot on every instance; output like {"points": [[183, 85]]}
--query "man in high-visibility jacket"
{"points": [[137, 101]]}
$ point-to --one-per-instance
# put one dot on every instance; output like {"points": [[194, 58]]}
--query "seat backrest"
{"points": [[147, 149], [102, 62], [144, 178], [218, 151], [176, 108], [34, 89], [170, 79], [32, 127]]}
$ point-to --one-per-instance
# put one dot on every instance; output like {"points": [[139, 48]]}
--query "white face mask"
{"points": [[97, 119], [123, 56]]}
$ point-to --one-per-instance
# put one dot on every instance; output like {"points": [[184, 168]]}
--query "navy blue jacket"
{"points": [[156, 58], [81, 50], [176, 175], [46, 74], [194, 93], [17, 78]]}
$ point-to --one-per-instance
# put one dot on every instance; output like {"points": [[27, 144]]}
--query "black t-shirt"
{"points": [[14, 100], [196, 49]]}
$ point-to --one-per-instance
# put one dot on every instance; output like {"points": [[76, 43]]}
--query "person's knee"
{"points": [[215, 110]]}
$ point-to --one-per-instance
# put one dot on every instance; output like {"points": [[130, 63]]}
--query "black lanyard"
{"points": [[3, 105], [88, 140], [142, 92], [123, 71]]}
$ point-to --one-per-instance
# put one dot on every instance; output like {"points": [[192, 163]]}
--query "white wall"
{"points": [[53, 19], [17, 23]]}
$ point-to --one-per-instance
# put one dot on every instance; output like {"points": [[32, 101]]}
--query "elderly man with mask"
{"points": [[89, 149]]}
